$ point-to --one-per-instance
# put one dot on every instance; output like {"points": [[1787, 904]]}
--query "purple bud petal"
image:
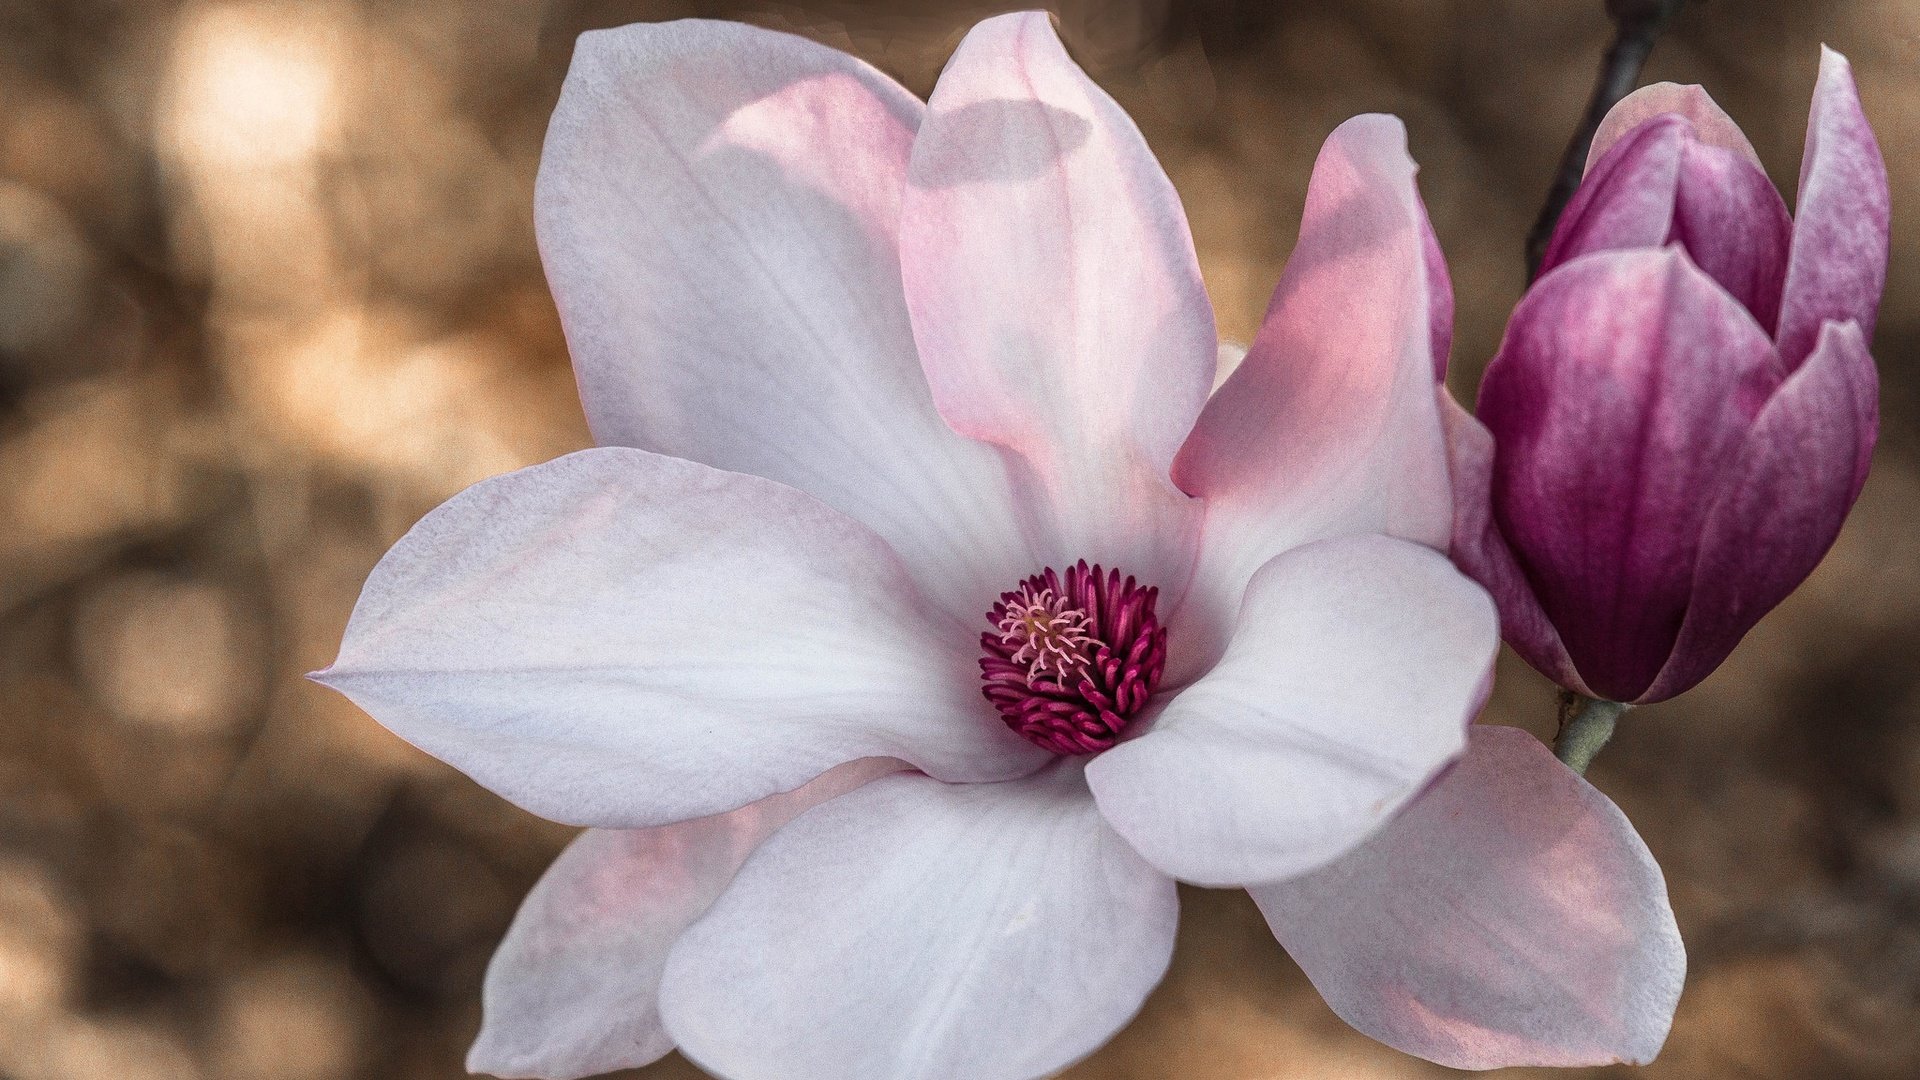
{"points": [[1626, 200], [1482, 553], [1782, 504], [1661, 183], [1839, 260], [1732, 221], [1625, 389]]}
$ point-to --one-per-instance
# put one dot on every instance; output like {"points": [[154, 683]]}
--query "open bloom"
{"points": [[1683, 409], [920, 619]]}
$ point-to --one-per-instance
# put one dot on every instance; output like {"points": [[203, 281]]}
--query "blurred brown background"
{"points": [[268, 292]]}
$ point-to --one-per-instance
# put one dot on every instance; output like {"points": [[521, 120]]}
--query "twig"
{"points": [[1637, 24]]}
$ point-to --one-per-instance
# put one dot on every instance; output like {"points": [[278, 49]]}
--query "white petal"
{"points": [[718, 210], [1509, 916], [1351, 678], [914, 930], [621, 639], [1055, 294], [573, 989]]}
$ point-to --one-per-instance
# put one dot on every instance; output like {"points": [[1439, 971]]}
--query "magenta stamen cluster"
{"points": [[1071, 657]]}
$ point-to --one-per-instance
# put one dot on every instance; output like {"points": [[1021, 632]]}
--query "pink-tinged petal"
{"points": [[1734, 225], [1624, 389], [1840, 225], [1710, 123], [913, 930], [621, 639], [1781, 506], [1439, 295], [1329, 427], [573, 989], [1354, 671], [1482, 553], [1055, 294], [1626, 200], [718, 211], [1509, 916]]}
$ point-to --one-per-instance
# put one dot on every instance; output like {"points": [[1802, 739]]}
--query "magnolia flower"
{"points": [[1683, 409], [920, 619]]}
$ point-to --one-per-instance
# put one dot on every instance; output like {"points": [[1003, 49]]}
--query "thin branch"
{"points": [[1637, 25]]}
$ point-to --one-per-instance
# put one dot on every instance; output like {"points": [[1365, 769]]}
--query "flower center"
{"points": [[1072, 657]]}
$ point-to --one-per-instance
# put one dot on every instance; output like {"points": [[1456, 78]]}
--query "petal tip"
{"points": [[1020, 23], [480, 1060], [1383, 132], [486, 1057], [1386, 122], [600, 46], [1706, 120], [1835, 77]]}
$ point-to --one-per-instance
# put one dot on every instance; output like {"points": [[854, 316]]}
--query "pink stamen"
{"points": [[1054, 638], [1072, 657]]}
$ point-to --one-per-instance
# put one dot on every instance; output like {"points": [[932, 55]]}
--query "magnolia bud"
{"points": [[1682, 411]]}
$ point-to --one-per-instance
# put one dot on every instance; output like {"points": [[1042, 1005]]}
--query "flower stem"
{"points": [[1585, 726], [1636, 25]]}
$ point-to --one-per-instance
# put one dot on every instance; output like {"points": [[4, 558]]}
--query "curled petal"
{"points": [[1482, 553], [573, 989], [1509, 916], [1841, 219], [1356, 666], [913, 930], [1710, 123], [621, 639], [718, 210], [1055, 294], [1624, 389], [1627, 197], [1782, 504], [1329, 426]]}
